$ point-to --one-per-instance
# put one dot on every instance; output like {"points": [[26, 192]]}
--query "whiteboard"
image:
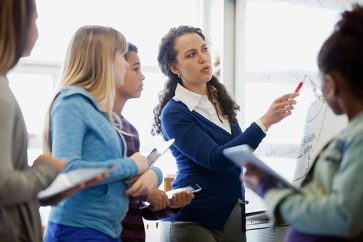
{"points": [[294, 161], [321, 125]]}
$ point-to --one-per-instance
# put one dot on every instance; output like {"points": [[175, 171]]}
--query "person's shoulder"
{"points": [[6, 96], [236, 127], [174, 105], [75, 92], [174, 108], [75, 97], [9, 106], [127, 126], [354, 129]]}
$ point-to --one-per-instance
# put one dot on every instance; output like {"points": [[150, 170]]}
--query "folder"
{"points": [[242, 153], [69, 180], [159, 151]]}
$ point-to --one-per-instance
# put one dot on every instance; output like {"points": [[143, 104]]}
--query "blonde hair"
{"points": [[89, 64], [15, 17]]}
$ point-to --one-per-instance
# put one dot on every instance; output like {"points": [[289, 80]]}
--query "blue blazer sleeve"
{"points": [[193, 142]]}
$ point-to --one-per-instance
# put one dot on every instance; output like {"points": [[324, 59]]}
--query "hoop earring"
{"points": [[179, 75]]}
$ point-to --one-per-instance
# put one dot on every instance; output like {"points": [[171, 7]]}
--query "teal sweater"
{"points": [[83, 135]]}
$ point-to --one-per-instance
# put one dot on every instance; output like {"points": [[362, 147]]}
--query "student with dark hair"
{"points": [[328, 206], [160, 207], [19, 183], [197, 111]]}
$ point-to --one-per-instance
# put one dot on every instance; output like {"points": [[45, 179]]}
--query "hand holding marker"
{"points": [[297, 90]]}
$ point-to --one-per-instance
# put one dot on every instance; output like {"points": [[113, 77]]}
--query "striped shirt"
{"points": [[133, 229], [132, 226]]}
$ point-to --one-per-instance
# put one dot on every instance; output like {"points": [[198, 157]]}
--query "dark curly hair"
{"points": [[167, 57], [342, 52]]}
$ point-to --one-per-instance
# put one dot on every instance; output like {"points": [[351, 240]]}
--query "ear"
{"points": [[332, 83], [174, 69]]}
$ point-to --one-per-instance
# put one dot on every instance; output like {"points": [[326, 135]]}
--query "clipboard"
{"points": [[71, 179], [155, 154], [241, 153]]}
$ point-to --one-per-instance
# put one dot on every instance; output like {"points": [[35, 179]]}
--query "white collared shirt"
{"points": [[201, 105], [204, 107]]}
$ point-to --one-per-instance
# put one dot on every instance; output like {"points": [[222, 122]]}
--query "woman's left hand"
{"points": [[158, 200], [181, 199]]}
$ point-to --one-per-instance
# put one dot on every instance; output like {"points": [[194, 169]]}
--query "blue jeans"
{"points": [[62, 233]]}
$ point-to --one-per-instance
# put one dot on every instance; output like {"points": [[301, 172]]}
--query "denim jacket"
{"points": [[330, 199]]}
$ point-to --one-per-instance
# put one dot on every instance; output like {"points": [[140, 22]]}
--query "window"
{"points": [[279, 43], [143, 23]]}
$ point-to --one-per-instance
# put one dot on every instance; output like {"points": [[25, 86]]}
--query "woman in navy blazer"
{"points": [[197, 111]]}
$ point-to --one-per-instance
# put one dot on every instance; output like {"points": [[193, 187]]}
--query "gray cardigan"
{"points": [[19, 183]]}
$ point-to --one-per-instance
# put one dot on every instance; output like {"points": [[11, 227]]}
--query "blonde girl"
{"points": [[79, 128]]}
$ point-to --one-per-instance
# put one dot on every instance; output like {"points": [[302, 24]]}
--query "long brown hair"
{"points": [[167, 57]]}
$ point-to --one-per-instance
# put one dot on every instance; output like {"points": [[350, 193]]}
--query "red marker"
{"points": [[300, 85]]}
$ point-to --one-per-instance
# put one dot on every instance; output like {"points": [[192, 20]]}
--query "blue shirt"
{"points": [[198, 150], [83, 135]]}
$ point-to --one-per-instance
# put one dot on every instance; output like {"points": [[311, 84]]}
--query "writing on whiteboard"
{"points": [[321, 125]]}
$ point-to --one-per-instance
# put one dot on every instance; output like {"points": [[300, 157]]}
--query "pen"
{"points": [[299, 85]]}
